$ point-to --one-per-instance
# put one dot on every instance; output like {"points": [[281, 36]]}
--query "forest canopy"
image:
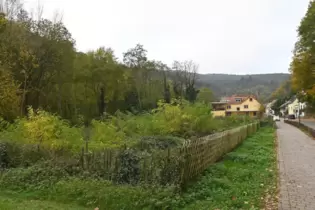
{"points": [[41, 68]]}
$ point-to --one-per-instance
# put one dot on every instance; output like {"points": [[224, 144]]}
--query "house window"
{"points": [[228, 107], [245, 106], [238, 109], [255, 113], [238, 100], [250, 99]]}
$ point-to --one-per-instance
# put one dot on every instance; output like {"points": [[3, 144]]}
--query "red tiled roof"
{"points": [[232, 99]]}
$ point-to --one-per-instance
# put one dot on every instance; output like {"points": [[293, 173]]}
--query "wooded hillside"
{"points": [[262, 85]]}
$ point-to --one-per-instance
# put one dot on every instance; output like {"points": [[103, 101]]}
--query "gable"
{"points": [[250, 104], [251, 100]]}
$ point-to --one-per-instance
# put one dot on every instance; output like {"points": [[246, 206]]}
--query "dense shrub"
{"points": [[175, 119], [129, 171], [36, 177], [4, 156], [150, 143], [105, 134], [45, 136], [45, 130], [54, 183]]}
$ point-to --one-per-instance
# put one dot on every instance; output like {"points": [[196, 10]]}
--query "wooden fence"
{"points": [[171, 166], [202, 152], [177, 165]]}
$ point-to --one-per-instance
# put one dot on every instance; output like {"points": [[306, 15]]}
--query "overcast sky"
{"points": [[230, 36]]}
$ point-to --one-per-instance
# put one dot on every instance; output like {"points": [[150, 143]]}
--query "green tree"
{"points": [[205, 95], [9, 96], [303, 62]]}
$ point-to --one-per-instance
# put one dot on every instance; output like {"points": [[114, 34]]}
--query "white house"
{"points": [[295, 107], [269, 111], [284, 108]]}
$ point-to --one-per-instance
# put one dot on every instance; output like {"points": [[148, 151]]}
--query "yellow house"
{"points": [[237, 105], [218, 109]]}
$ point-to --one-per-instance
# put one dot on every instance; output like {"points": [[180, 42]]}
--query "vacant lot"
{"points": [[239, 181]]}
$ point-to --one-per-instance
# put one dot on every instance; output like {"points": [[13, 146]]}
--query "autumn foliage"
{"points": [[303, 63]]}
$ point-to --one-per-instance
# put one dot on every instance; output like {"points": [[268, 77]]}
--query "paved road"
{"points": [[296, 153], [310, 124]]}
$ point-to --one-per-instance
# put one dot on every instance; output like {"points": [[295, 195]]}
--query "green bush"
{"points": [[54, 183], [4, 156], [150, 143], [129, 171], [36, 177], [183, 120], [45, 130], [46, 136], [105, 134]]}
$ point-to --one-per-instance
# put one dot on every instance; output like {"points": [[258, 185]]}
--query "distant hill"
{"points": [[262, 85]]}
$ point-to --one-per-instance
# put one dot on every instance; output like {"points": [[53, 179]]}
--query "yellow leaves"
{"points": [[303, 76], [303, 64], [40, 127], [49, 131]]}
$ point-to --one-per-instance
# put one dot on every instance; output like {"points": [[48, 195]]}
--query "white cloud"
{"points": [[252, 36]]}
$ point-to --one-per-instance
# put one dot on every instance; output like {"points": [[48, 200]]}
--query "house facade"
{"points": [[237, 105], [284, 108], [295, 107], [269, 111]]}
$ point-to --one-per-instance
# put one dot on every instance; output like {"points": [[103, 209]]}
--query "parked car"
{"points": [[276, 118], [291, 116]]}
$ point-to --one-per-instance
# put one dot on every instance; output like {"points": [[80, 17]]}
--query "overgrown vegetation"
{"points": [[179, 120], [239, 181]]}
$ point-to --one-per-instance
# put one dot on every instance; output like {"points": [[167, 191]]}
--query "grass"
{"points": [[240, 180], [9, 202]]}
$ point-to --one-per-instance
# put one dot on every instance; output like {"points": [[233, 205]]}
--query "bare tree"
{"points": [[10, 8], [185, 79], [190, 73]]}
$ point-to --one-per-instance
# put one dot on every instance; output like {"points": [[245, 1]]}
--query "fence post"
{"points": [[82, 157], [86, 136]]}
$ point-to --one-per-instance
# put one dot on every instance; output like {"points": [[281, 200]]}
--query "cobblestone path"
{"points": [[296, 156]]}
